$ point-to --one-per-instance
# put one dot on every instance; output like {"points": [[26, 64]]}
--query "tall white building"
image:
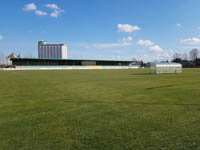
{"points": [[52, 50]]}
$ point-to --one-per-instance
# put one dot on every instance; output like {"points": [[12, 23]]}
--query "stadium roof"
{"points": [[70, 59]]}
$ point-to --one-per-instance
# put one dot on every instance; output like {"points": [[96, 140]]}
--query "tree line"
{"points": [[188, 60]]}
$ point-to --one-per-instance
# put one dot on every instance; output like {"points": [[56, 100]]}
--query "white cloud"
{"points": [[1, 37], [162, 56], [127, 39], [52, 6], [192, 41], [55, 14], [125, 42], [190, 47], [33, 7], [145, 43], [156, 48], [178, 25], [150, 44], [111, 45], [127, 28], [165, 55], [57, 11], [40, 13], [30, 7]]}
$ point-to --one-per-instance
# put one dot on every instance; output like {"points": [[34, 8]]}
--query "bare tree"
{"points": [[177, 56], [194, 54], [185, 56]]}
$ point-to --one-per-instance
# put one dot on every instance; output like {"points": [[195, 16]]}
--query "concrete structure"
{"points": [[52, 50], [161, 68], [8, 59]]}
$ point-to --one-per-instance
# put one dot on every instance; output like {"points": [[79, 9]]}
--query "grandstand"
{"points": [[51, 64], [69, 62]]}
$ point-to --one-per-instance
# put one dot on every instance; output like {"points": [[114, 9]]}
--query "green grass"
{"points": [[99, 110]]}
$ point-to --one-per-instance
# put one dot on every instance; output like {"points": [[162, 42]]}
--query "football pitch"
{"points": [[99, 110]]}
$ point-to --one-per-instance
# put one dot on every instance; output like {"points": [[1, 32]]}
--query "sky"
{"points": [[145, 30]]}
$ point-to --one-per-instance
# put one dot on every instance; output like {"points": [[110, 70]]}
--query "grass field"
{"points": [[99, 110]]}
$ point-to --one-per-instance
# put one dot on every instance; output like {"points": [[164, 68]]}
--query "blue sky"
{"points": [[102, 29]]}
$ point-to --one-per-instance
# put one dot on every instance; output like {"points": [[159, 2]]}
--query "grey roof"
{"points": [[71, 59], [166, 64]]}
